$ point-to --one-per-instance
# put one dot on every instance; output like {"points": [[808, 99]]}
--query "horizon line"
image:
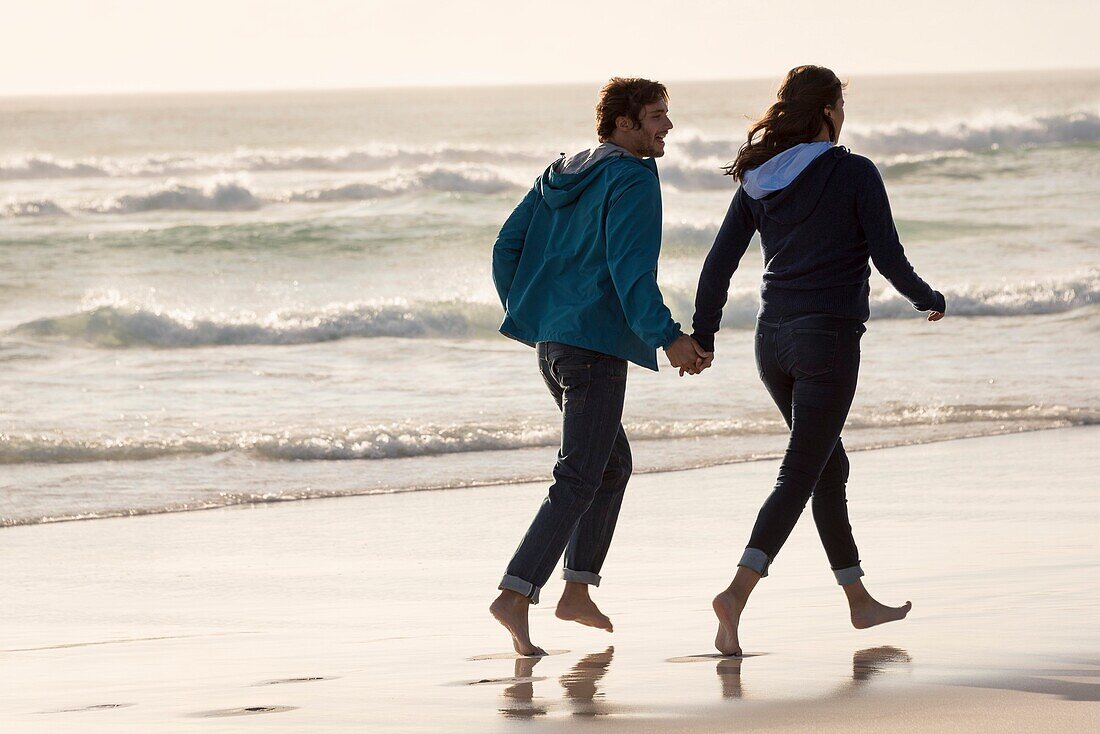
{"points": [[504, 84]]}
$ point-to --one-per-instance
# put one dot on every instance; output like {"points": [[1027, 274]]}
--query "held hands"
{"points": [[686, 354]]}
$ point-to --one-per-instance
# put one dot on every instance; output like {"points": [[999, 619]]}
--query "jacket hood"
{"points": [[566, 178], [789, 185]]}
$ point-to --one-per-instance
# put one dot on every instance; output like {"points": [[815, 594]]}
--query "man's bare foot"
{"points": [[728, 608], [576, 606], [510, 609], [866, 612]]}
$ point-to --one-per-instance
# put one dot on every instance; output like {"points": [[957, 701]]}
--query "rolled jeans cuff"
{"points": [[850, 575], [581, 577], [755, 559], [518, 585]]}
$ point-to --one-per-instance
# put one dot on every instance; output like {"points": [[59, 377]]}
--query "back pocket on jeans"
{"points": [[814, 352]]}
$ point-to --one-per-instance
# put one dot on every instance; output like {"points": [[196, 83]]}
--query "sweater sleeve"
{"points": [[509, 245], [873, 210], [633, 247], [714, 281]]}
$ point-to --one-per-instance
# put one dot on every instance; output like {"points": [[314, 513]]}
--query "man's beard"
{"points": [[651, 150]]}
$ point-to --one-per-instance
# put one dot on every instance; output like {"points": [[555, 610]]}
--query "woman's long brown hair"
{"points": [[796, 117]]}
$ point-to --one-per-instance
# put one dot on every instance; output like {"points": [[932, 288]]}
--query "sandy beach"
{"points": [[369, 613]]}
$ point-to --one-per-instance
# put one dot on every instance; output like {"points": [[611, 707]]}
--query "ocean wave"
{"points": [[32, 208], [124, 325], [1014, 299], [120, 325], [222, 197], [691, 159], [347, 192], [405, 441], [38, 167], [901, 148], [1015, 132], [697, 177], [372, 158], [432, 178], [230, 196]]}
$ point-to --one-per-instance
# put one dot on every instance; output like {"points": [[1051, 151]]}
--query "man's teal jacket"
{"points": [[576, 262]]}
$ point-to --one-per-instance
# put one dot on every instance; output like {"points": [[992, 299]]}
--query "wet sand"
{"points": [[369, 613]]}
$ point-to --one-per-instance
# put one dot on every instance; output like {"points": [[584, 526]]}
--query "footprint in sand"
{"points": [[309, 679], [93, 707], [510, 680], [710, 657], [244, 711], [516, 656]]}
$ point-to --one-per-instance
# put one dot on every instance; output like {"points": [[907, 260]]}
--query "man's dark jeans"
{"points": [[809, 365], [579, 513]]}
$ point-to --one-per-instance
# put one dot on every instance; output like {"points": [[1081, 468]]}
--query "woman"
{"points": [[822, 214]]}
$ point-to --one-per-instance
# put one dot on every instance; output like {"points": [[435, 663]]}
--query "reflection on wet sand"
{"points": [[519, 698], [729, 672], [868, 663], [580, 684]]}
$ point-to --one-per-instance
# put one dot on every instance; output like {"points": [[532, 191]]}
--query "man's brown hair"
{"points": [[625, 97]]}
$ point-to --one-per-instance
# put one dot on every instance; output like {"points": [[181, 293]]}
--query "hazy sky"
{"points": [[59, 46]]}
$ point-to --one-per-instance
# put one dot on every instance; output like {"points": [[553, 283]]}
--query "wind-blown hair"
{"points": [[625, 97], [796, 117]]}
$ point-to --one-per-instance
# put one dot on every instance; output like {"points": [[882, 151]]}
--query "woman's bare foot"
{"points": [[576, 606], [728, 607], [866, 612], [510, 609]]}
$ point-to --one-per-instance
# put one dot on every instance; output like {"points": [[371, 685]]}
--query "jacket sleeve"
{"points": [[873, 210], [509, 245], [714, 281], [633, 245]]}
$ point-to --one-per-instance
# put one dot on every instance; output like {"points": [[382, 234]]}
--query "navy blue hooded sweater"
{"points": [[817, 235]]}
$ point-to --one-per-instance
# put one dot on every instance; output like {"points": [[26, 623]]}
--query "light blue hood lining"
{"points": [[778, 173]]}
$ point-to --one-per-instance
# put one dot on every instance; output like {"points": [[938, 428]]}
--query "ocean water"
{"points": [[219, 299]]}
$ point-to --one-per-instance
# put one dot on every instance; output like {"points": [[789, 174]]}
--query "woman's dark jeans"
{"points": [[579, 513], [809, 365]]}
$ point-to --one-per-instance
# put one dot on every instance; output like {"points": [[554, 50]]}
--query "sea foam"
{"points": [[122, 325], [405, 440], [981, 132]]}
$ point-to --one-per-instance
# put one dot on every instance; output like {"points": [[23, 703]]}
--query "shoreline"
{"points": [[372, 613], [853, 447]]}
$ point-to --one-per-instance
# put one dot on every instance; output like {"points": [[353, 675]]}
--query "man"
{"points": [[575, 266]]}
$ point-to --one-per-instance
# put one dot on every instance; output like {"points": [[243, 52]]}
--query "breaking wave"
{"points": [[410, 440], [221, 197], [373, 158], [899, 148], [117, 325], [227, 196], [32, 208], [122, 326], [983, 132]]}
